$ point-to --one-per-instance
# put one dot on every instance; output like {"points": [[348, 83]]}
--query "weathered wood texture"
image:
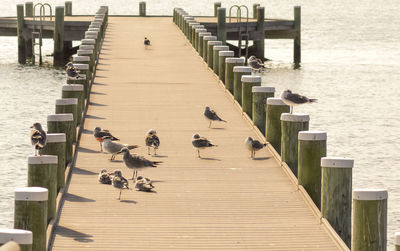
{"points": [[225, 201]]}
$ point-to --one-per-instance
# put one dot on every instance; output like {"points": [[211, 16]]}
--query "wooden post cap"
{"points": [[209, 38], [60, 117], [312, 135], [91, 33], [31, 194], [337, 162], [198, 30], [275, 101], [56, 137], [20, 236], [234, 60], [203, 34], [241, 69], [81, 77], [221, 48], [67, 101], [226, 53], [251, 79], [213, 42], [86, 47], [264, 89], [72, 87], [295, 117], [42, 159], [95, 25], [94, 29], [188, 18], [397, 238], [88, 41], [94, 37], [80, 58], [82, 66], [370, 194], [195, 23], [197, 26], [84, 52]]}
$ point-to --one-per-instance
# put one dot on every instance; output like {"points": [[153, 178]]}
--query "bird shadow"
{"points": [[78, 170], [86, 150], [76, 198], [97, 93], [261, 158], [158, 181], [97, 83], [88, 116], [115, 161], [96, 104], [210, 159], [129, 201], [218, 128], [152, 191], [160, 156], [86, 131], [76, 235]]}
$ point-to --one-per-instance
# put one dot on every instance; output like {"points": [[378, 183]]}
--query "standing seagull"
{"points": [[72, 71], [212, 116], [99, 134], [256, 64], [38, 137], [104, 177], [292, 99], [253, 145], [152, 140], [200, 143], [119, 182], [115, 148], [146, 41], [136, 162]]}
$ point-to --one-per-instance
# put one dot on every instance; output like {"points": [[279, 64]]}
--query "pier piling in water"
{"points": [[28, 9], [207, 39], [30, 213], [221, 25], [75, 91], [273, 129], [260, 44], [20, 34], [68, 8], [210, 54], [260, 96], [63, 123], [312, 147], [58, 52], [230, 63], [248, 81], [238, 72], [42, 172], [222, 55], [297, 40], [291, 125], [397, 241], [216, 6], [336, 189], [20, 236], [142, 9], [255, 10]]}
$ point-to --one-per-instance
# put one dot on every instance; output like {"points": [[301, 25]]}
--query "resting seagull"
{"points": [[115, 148], [38, 137], [253, 145], [143, 184], [212, 116], [292, 99], [200, 143], [256, 64], [99, 134], [119, 182], [146, 41], [136, 162], [152, 140], [104, 177], [72, 71]]}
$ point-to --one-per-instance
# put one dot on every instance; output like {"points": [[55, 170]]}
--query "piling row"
{"points": [[37, 205], [327, 181]]}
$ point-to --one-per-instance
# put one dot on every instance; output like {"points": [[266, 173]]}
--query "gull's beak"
{"points": [[31, 127]]}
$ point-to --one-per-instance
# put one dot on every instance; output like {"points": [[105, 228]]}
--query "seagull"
{"points": [[146, 41], [136, 162], [152, 140], [99, 134], [212, 116], [114, 148], [104, 177], [38, 137], [256, 64], [143, 184], [200, 143], [72, 71], [119, 182], [253, 145], [292, 99]]}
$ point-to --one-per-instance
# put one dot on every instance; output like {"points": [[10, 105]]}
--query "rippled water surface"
{"points": [[350, 62]]}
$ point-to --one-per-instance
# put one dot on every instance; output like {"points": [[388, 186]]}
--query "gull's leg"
{"points": [[198, 153], [291, 109], [101, 147], [120, 191], [155, 151], [148, 150], [209, 125]]}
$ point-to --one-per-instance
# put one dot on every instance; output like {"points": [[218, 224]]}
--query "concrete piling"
{"points": [[248, 81], [222, 55], [207, 39], [22, 237], [63, 123], [238, 72], [68, 8], [260, 96], [229, 64], [216, 6], [142, 9], [336, 188], [58, 52], [20, 34], [312, 147], [291, 125], [30, 213], [221, 25], [273, 133], [75, 91]]}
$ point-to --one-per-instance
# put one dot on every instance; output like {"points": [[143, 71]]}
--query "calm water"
{"points": [[350, 62]]}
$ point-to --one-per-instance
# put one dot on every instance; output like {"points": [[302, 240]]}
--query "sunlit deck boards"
{"points": [[223, 202]]}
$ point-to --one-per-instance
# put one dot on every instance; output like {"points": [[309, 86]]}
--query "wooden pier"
{"points": [[224, 201]]}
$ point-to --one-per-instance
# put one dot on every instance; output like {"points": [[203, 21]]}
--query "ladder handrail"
{"points": [[239, 20], [42, 16]]}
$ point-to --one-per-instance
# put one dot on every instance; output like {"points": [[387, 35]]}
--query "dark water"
{"points": [[350, 62]]}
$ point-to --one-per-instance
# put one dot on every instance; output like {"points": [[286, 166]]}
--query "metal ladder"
{"points": [[243, 35], [38, 34]]}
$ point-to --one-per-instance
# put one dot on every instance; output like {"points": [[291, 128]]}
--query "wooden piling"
{"points": [[56, 145], [273, 129], [255, 10], [238, 72], [75, 91], [201, 42], [206, 39], [30, 213], [142, 9], [260, 96], [197, 38], [397, 241], [68, 105], [189, 28], [68, 8], [210, 54], [222, 55], [229, 64], [297, 40], [190, 34], [84, 79], [20, 34], [291, 125], [336, 188], [221, 25], [259, 44], [58, 52], [42, 172], [28, 9], [312, 147], [186, 21], [63, 123], [22, 237], [87, 53], [216, 6], [369, 220], [248, 81]]}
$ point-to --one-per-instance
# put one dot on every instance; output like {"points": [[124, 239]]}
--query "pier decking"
{"points": [[225, 201]]}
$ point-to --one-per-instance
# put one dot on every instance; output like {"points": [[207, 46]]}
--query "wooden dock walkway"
{"points": [[226, 201]]}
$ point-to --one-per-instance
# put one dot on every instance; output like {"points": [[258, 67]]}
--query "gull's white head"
{"points": [[151, 132], [285, 93], [196, 136]]}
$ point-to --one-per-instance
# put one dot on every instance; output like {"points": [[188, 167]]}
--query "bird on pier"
{"points": [[115, 148], [136, 162], [119, 182], [211, 115], [152, 140], [200, 143], [143, 184], [38, 137], [253, 145], [99, 134], [72, 71], [293, 99], [146, 42], [256, 64], [105, 177]]}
